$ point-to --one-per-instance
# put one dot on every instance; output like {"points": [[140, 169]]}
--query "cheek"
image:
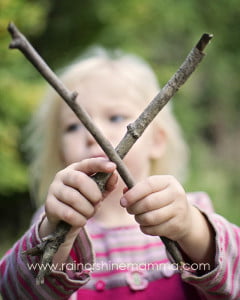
{"points": [[66, 154], [115, 135], [71, 150], [138, 162]]}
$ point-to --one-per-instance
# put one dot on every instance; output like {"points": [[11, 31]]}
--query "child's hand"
{"points": [[73, 195], [160, 206]]}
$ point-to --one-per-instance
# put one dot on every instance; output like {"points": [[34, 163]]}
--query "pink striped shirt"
{"points": [[125, 264]]}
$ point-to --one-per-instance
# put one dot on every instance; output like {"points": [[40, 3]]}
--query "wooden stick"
{"points": [[51, 244]]}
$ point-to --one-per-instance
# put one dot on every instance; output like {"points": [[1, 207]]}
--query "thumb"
{"points": [[111, 183]]}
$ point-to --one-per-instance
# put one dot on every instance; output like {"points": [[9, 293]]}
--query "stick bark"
{"points": [[50, 244]]}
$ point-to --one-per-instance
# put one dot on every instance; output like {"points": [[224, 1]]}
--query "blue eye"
{"points": [[117, 118], [73, 127]]}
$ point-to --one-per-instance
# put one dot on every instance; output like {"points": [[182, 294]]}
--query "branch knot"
{"points": [[74, 96], [133, 131]]}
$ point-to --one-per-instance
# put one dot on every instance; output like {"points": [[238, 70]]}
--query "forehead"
{"points": [[106, 87], [110, 82]]}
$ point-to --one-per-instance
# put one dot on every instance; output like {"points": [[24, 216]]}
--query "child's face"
{"points": [[112, 106]]}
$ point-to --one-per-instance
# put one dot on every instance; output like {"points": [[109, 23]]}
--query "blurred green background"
{"points": [[162, 32]]}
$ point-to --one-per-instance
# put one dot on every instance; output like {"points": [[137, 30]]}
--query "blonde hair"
{"points": [[43, 141]]}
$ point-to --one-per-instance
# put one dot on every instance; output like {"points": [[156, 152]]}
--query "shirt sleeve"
{"points": [[223, 281], [18, 271]]}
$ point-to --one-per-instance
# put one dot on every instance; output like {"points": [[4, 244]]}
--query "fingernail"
{"points": [[123, 202], [110, 165]]}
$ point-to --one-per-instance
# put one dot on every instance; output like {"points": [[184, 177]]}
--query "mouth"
{"points": [[99, 155]]}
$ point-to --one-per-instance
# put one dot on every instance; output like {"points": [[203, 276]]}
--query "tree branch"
{"points": [[134, 130], [20, 42]]}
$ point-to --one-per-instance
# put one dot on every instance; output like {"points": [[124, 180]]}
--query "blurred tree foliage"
{"points": [[162, 32], [20, 87]]}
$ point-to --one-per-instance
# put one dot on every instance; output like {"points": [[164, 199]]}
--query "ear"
{"points": [[159, 142]]}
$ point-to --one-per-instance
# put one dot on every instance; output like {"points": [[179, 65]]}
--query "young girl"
{"points": [[113, 248]]}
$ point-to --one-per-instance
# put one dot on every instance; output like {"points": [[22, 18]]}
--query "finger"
{"points": [[169, 229], [144, 188], [151, 202], [73, 198], [84, 184], [94, 165], [57, 210], [112, 182], [155, 217]]}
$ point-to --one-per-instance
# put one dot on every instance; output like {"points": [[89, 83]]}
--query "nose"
{"points": [[90, 139], [105, 130], [100, 124]]}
